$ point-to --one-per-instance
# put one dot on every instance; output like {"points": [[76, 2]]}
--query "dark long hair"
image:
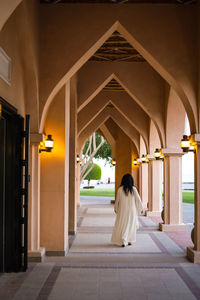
{"points": [[127, 183]]}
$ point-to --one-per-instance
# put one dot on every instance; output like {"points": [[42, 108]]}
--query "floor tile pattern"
{"points": [[155, 267]]}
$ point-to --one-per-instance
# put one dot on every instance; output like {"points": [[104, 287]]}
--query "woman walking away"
{"points": [[127, 207]]}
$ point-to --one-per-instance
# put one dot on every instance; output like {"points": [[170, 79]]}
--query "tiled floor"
{"points": [[155, 267]]}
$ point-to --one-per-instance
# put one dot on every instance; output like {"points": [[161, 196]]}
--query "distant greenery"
{"points": [[101, 193], [105, 152], [188, 197], [95, 173]]}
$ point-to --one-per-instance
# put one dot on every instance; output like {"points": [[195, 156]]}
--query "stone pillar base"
{"points": [[152, 213], [193, 255], [172, 227], [56, 253], [36, 256]]}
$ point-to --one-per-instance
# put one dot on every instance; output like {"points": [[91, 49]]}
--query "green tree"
{"points": [[105, 152], [94, 174]]}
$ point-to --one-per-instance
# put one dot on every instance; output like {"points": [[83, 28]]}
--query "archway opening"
{"points": [[188, 184], [97, 171]]}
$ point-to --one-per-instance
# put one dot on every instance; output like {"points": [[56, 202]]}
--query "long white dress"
{"points": [[127, 209]]}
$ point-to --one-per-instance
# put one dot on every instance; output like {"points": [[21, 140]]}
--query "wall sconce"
{"points": [[144, 159], [135, 162], [47, 144], [113, 162], [186, 145], [158, 154], [78, 159]]}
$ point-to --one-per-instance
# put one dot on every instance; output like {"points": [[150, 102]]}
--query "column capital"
{"points": [[151, 157], [36, 138], [172, 152]]}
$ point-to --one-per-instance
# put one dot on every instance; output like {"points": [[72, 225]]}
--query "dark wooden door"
{"points": [[11, 189]]}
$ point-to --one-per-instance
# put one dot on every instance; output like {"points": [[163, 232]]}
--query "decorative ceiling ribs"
{"points": [[120, 1], [113, 86], [115, 49]]}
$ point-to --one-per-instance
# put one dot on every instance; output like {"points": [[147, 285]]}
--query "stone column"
{"points": [[55, 178], [72, 158], [78, 203], [35, 252], [154, 187], [172, 191], [194, 253], [143, 183]]}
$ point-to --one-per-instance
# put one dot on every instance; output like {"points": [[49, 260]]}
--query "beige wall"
{"points": [[123, 157], [19, 39], [13, 93], [175, 121], [7, 8], [53, 180]]}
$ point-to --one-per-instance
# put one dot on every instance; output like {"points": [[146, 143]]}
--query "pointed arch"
{"points": [[189, 104]]}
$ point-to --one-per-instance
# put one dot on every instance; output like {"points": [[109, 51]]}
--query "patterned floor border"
{"points": [[50, 282]]}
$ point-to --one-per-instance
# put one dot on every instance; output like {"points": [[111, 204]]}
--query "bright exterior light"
{"points": [[157, 154], [46, 145], [135, 162], [113, 162], [185, 143], [49, 143], [78, 160], [144, 159]]}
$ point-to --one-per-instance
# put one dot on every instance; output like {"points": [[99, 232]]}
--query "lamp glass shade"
{"points": [[135, 162], [143, 158], [185, 143], [157, 154], [49, 143], [78, 158], [113, 162]]}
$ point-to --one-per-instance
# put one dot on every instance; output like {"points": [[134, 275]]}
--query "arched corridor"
{"points": [[129, 71]]}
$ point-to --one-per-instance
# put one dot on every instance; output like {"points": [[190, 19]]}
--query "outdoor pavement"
{"points": [[154, 267]]}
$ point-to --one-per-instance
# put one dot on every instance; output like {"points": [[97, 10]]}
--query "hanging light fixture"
{"points": [[47, 144]]}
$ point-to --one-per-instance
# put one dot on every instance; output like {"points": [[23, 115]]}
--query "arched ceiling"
{"points": [[139, 80], [123, 103], [104, 118], [144, 43]]}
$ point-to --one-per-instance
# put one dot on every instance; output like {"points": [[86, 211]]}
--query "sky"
{"points": [[187, 169]]}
